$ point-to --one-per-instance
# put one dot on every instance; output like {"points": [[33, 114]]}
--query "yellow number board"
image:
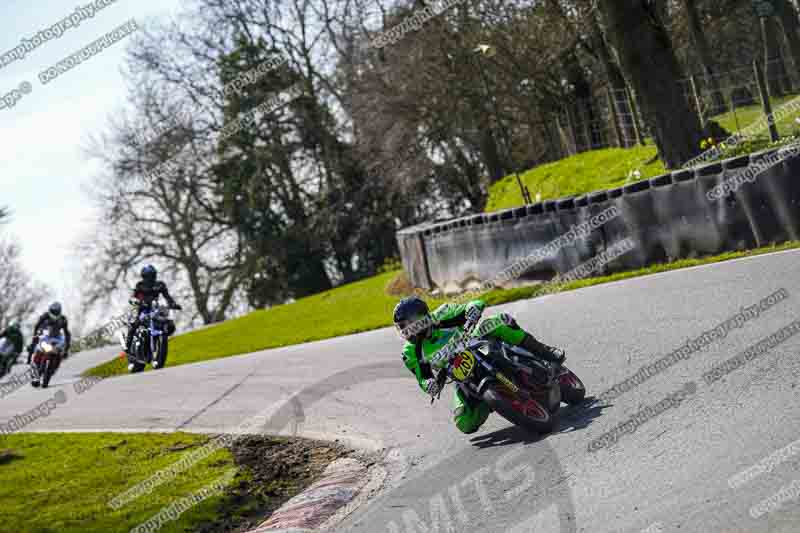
{"points": [[463, 365]]}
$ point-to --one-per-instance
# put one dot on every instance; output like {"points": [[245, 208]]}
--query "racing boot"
{"points": [[548, 353], [126, 356], [126, 352]]}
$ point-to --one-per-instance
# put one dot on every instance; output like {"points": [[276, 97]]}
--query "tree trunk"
{"points": [[306, 271], [582, 108], [566, 130], [775, 69], [791, 27], [704, 56], [661, 9], [585, 107], [491, 154], [555, 147], [617, 82], [648, 60]]}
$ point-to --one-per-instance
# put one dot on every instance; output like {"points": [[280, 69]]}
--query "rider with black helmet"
{"points": [[145, 293], [14, 335], [426, 333], [54, 323]]}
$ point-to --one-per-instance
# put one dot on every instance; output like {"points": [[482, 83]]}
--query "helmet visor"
{"points": [[410, 329]]}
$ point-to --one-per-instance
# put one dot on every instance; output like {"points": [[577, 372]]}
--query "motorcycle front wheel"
{"points": [[530, 415], [161, 352], [37, 367], [46, 373], [135, 366]]}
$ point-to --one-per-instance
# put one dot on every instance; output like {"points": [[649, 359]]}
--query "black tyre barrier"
{"points": [[583, 248], [600, 238], [739, 233], [673, 216], [756, 202], [783, 192], [563, 218], [661, 188], [641, 224]]}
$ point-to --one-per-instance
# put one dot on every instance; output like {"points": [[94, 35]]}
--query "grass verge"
{"points": [[608, 168], [358, 307], [594, 170], [63, 481]]}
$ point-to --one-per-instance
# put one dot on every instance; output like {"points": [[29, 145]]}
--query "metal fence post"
{"points": [[635, 116], [697, 102], [614, 118]]}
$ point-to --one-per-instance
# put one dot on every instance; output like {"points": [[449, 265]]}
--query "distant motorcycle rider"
{"points": [[56, 325], [14, 334], [145, 293], [426, 333]]}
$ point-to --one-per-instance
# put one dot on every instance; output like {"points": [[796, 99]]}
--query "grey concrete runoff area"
{"points": [[673, 473]]}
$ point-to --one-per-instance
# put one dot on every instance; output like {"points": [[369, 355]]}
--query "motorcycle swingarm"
{"points": [[485, 382]]}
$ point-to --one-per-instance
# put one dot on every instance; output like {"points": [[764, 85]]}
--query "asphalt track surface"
{"points": [[671, 474]]}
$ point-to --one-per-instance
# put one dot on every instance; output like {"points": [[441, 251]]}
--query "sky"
{"points": [[42, 135]]}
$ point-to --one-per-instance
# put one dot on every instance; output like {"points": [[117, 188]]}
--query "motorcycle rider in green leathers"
{"points": [[426, 333]]}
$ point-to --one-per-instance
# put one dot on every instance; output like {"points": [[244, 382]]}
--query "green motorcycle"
{"points": [[520, 387]]}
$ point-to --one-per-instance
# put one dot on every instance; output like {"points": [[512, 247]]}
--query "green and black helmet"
{"points": [[413, 320]]}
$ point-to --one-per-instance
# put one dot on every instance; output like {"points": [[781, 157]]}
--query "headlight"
{"points": [[47, 347]]}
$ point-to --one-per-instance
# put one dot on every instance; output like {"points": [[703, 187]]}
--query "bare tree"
{"points": [[20, 296], [157, 207]]}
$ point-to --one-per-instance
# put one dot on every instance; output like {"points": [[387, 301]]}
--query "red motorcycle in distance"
{"points": [[47, 358]]}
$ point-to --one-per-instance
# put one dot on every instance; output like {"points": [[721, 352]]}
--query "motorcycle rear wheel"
{"points": [[503, 407], [571, 394]]}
